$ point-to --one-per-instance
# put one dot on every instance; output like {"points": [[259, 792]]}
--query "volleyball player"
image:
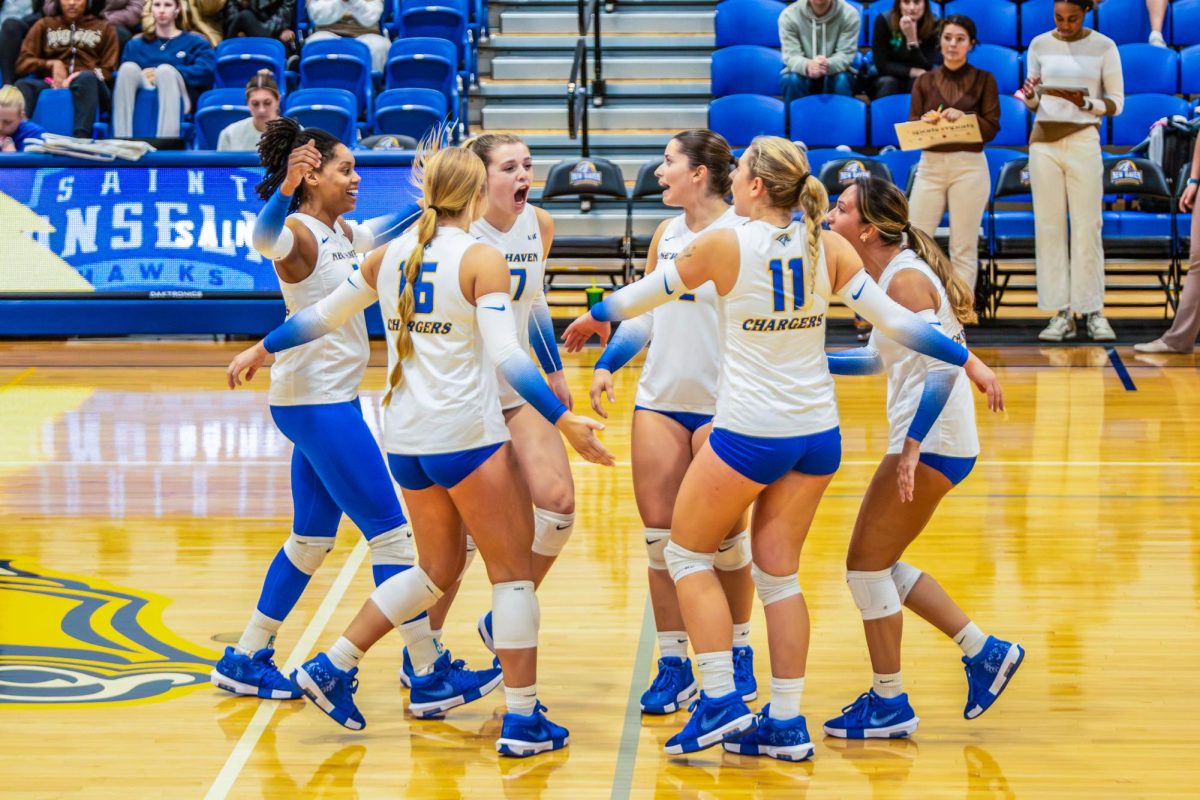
{"points": [[447, 310], [676, 399], [775, 439], [932, 447]]}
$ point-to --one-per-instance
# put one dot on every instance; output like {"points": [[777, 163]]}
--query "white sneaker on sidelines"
{"points": [[1061, 326], [1157, 39], [1098, 328]]}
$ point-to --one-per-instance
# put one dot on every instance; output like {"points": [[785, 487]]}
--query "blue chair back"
{"points": [[437, 22], [885, 113], [1147, 68], [873, 12], [145, 114], [1124, 21], [1141, 111], [239, 59], [55, 111], [338, 64], [422, 62], [1003, 62], [216, 110], [748, 22], [995, 20], [829, 120], [410, 112], [741, 117], [746, 69], [331, 110], [901, 164], [1014, 123], [1189, 70], [1185, 22]]}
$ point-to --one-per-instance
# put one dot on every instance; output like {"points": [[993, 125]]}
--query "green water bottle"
{"points": [[594, 295]]}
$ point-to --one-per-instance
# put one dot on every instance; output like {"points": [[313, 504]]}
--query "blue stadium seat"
{"points": [[55, 111], [828, 120], [1003, 62], [1014, 123], [440, 22], [1148, 68], [332, 110], [902, 164], [741, 117], [1141, 111], [1010, 232], [239, 59], [748, 22], [216, 110], [1037, 17], [885, 113], [746, 69], [1135, 234], [341, 63], [820, 156], [995, 20], [1125, 21], [873, 12], [145, 115], [1189, 70], [423, 63], [1185, 22], [410, 112]]}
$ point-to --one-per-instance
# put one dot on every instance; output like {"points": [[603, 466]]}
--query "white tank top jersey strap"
{"points": [[683, 364], [330, 369], [522, 247], [775, 379], [446, 400], [954, 433]]}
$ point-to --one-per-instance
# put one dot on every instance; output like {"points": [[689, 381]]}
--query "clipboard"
{"points": [[918, 135]]}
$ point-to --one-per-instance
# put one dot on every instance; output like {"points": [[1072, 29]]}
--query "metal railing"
{"points": [[577, 97]]}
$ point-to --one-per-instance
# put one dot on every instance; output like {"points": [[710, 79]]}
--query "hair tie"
{"points": [[804, 178], [907, 227]]}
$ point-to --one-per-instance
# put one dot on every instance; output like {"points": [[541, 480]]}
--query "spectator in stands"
{"points": [[1181, 337], [1157, 9], [955, 176], [170, 57], [820, 41], [18, 16], [358, 19], [74, 49], [1074, 81], [191, 19], [262, 96], [15, 129], [270, 18], [905, 45]]}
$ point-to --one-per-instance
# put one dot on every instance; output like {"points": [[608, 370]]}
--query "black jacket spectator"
{"points": [[898, 60]]}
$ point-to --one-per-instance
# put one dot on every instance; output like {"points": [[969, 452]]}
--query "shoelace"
{"points": [[741, 663], [664, 678], [859, 709]]}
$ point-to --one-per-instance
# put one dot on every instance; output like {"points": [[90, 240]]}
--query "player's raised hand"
{"points": [[303, 161]]}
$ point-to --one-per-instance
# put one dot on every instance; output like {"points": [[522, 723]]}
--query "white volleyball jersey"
{"points": [[954, 433], [775, 379], [329, 369], [684, 360], [522, 248], [446, 399]]}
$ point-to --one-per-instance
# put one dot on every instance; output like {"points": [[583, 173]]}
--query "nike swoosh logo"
{"points": [[708, 723], [721, 548], [562, 527], [326, 239], [857, 294], [666, 288], [494, 308]]}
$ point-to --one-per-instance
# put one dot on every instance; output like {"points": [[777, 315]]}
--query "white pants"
{"points": [[171, 90], [1068, 174], [377, 43], [961, 182]]}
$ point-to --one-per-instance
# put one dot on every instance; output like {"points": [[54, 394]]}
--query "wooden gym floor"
{"points": [[140, 504]]}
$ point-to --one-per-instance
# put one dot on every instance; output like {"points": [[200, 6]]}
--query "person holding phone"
{"points": [[1074, 81]]}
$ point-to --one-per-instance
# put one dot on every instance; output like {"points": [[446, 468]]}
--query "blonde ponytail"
{"points": [[814, 202], [962, 299]]}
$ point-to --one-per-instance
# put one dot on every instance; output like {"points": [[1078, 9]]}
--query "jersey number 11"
{"points": [[778, 284]]}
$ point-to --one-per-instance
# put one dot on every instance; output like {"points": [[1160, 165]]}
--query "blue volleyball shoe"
{"points": [[782, 739], [450, 685], [989, 673], [743, 673], [254, 676], [484, 626], [875, 717], [713, 721], [331, 689], [673, 686], [407, 673], [523, 735]]}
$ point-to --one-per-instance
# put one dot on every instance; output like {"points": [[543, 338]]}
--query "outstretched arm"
{"points": [[857, 361], [378, 231]]}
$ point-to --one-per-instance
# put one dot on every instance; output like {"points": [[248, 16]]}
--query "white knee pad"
{"points": [[516, 615], [403, 596], [874, 593], [394, 548], [307, 552], [682, 562], [773, 588], [551, 531], [470, 557], [733, 553], [905, 576], [656, 545]]}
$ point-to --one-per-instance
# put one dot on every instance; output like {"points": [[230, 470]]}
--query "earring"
{"points": [[862, 237]]}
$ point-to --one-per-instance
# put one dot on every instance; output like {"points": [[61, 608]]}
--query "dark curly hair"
{"points": [[283, 135]]}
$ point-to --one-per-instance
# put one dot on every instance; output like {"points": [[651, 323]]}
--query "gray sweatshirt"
{"points": [[804, 36]]}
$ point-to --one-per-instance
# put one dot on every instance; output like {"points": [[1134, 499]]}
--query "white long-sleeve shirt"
{"points": [[1092, 60]]}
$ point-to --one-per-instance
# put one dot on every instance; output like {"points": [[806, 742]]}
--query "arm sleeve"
{"points": [[272, 239], [330, 313], [498, 327], [858, 361], [793, 52], [847, 46], [324, 12], [656, 289], [629, 339], [866, 299], [366, 12], [989, 109], [378, 231], [1112, 87], [541, 334]]}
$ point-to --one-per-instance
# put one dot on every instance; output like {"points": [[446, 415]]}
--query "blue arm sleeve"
{"points": [[858, 361], [629, 339], [269, 227], [541, 335], [865, 298], [498, 328], [330, 313], [938, 386], [389, 226], [657, 288]]}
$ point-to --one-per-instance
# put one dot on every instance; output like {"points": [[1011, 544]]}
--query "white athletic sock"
{"points": [[260, 632], [887, 685], [672, 643], [423, 648], [971, 640], [344, 655], [741, 634], [716, 672], [437, 635], [785, 697], [520, 699]]}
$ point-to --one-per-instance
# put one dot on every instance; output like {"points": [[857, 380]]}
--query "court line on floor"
{"points": [[632, 728], [262, 717], [1118, 366], [20, 376]]}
